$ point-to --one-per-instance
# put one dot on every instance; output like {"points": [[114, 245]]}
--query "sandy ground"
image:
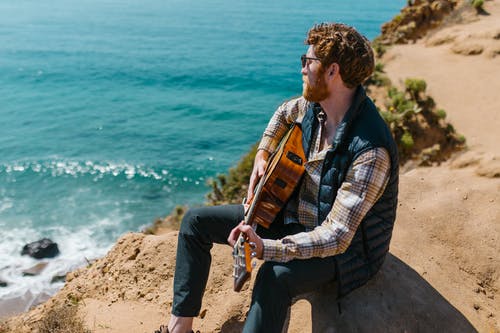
{"points": [[443, 273]]}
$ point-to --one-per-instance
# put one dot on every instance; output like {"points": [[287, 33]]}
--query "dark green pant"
{"points": [[276, 283]]}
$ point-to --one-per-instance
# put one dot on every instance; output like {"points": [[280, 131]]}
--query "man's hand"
{"points": [[250, 235], [259, 168]]}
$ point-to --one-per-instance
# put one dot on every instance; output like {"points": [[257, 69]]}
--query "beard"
{"points": [[318, 91]]}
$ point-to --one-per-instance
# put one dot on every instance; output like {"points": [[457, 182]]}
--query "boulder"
{"points": [[415, 20], [58, 278], [44, 248], [398, 299]]}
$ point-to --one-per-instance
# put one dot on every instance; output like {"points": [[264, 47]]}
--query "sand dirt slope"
{"points": [[466, 86], [448, 226]]}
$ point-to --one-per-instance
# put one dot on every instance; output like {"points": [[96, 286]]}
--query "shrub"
{"points": [[397, 18], [415, 87], [389, 117], [378, 78], [232, 188], [407, 140], [440, 113], [477, 4], [379, 67], [379, 47], [399, 103]]}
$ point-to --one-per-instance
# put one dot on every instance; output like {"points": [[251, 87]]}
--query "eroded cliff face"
{"points": [[415, 20]]}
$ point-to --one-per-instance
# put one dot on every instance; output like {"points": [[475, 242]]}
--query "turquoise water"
{"points": [[113, 112]]}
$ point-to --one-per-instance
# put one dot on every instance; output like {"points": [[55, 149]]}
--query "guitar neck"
{"points": [[283, 173], [251, 210]]}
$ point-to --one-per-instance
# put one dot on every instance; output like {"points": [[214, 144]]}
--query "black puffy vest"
{"points": [[361, 129]]}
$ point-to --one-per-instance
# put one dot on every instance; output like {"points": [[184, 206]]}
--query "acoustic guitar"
{"points": [[284, 170]]}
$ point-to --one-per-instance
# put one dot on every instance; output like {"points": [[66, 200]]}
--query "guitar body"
{"points": [[283, 173]]}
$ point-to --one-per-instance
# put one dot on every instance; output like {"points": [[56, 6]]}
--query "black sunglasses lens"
{"points": [[303, 60]]}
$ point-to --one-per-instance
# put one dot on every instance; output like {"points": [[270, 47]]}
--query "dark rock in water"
{"points": [[35, 270], [58, 278], [44, 248], [3, 284]]}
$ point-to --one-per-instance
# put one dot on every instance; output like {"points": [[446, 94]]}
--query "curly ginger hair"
{"points": [[342, 44]]}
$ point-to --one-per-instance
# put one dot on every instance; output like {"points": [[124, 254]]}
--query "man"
{"points": [[338, 224]]}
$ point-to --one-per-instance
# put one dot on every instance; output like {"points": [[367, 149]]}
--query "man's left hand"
{"points": [[251, 236]]}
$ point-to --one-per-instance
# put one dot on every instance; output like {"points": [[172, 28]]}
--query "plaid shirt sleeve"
{"points": [[280, 122], [364, 184]]}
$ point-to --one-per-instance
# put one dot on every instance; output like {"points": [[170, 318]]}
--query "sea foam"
{"points": [[22, 292], [78, 168]]}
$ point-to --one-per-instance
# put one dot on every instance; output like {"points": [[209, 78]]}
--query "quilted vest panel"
{"points": [[361, 129]]}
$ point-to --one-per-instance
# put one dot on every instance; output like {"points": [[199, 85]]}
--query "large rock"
{"points": [[415, 20], [44, 248], [397, 299]]}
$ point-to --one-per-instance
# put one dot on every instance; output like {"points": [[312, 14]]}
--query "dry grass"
{"points": [[3, 327], [62, 319]]}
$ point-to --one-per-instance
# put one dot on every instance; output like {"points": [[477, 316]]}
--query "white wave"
{"points": [[77, 168], [5, 204], [77, 248]]}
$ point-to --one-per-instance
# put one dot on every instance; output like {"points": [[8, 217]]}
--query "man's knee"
{"points": [[190, 221], [273, 276]]}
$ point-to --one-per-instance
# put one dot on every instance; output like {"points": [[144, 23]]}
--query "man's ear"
{"points": [[333, 69]]}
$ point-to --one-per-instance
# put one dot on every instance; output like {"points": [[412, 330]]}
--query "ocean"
{"points": [[114, 112]]}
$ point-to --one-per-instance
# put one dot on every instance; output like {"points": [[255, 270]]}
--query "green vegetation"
{"points": [[407, 141], [378, 77], [379, 47], [398, 18], [401, 105], [477, 4], [415, 87], [172, 221], [379, 67], [233, 187], [418, 127], [440, 113]]}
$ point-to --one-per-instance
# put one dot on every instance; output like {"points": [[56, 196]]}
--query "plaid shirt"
{"points": [[365, 182]]}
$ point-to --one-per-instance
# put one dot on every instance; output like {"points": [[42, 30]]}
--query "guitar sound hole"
{"points": [[294, 158], [281, 183]]}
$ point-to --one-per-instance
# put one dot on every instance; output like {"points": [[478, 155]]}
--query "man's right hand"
{"points": [[259, 168]]}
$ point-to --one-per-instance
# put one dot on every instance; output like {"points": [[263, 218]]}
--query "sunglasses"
{"points": [[304, 59]]}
